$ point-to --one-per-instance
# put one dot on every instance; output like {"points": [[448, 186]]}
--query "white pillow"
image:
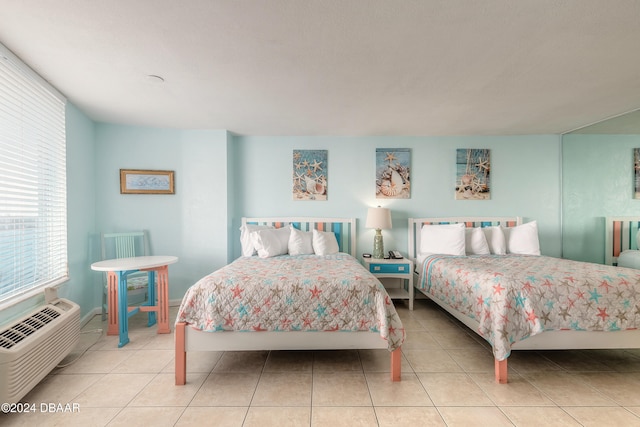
{"points": [[271, 242], [300, 242], [447, 239], [496, 240], [325, 242], [476, 242], [523, 239], [245, 238]]}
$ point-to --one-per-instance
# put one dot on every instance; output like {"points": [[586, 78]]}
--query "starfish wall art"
{"points": [[473, 170], [310, 174]]}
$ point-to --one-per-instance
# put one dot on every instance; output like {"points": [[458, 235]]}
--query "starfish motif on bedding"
{"points": [[315, 292], [633, 293], [394, 343], [237, 291], [363, 324], [606, 285], [531, 316], [595, 296], [602, 313], [504, 333], [545, 316], [276, 293], [621, 316], [588, 305], [229, 321], [623, 281]]}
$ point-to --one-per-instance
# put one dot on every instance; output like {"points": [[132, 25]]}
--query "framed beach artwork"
{"points": [[393, 167], [138, 181], [473, 174], [310, 174], [636, 173]]}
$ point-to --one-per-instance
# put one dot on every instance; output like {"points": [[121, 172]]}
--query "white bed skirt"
{"points": [[196, 340]]}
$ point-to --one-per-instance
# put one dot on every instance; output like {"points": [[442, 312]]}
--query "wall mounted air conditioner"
{"points": [[33, 345]]}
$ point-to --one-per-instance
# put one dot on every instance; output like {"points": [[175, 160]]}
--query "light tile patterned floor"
{"points": [[447, 380]]}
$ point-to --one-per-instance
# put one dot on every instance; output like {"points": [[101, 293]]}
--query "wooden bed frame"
{"points": [[190, 339], [616, 230]]}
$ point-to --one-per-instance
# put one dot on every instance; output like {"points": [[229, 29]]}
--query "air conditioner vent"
{"points": [[33, 345], [16, 333]]}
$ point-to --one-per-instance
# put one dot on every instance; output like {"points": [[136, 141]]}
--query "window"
{"points": [[33, 195]]}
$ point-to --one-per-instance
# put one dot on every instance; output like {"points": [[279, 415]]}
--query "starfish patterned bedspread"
{"points": [[292, 293], [513, 297]]}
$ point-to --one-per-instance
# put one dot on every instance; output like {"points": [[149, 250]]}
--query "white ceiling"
{"points": [[337, 67]]}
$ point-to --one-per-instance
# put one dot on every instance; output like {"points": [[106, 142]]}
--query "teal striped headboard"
{"points": [[343, 228]]}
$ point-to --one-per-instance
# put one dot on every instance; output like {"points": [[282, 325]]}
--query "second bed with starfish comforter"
{"points": [[514, 297]]}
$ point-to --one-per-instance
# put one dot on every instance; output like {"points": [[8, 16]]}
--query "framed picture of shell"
{"points": [[473, 174], [393, 167], [310, 174]]}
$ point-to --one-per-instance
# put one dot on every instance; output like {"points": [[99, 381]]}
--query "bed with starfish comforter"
{"points": [[515, 297], [330, 293]]}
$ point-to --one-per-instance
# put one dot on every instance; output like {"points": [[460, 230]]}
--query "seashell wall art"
{"points": [[473, 174], [393, 179], [310, 174]]}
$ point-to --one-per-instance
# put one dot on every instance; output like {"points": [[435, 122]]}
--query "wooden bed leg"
{"points": [[501, 371], [396, 363], [181, 354]]}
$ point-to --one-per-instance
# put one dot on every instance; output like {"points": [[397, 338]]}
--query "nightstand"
{"points": [[394, 268]]}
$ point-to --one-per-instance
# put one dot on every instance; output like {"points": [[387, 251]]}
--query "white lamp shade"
{"points": [[378, 218]]}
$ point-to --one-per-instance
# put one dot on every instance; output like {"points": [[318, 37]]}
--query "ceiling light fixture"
{"points": [[152, 78]]}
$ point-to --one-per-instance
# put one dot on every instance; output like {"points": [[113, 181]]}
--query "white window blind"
{"points": [[33, 195]]}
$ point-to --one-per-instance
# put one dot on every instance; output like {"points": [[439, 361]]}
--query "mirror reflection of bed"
{"points": [[489, 273]]}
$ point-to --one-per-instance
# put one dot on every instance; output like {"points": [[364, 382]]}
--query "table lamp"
{"points": [[378, 218]]}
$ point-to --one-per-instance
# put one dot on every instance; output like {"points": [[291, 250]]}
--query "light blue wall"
{"points": [[81, 208], [220, 178], [525, 179], [192, 224], [568, 184], [597, 182]]}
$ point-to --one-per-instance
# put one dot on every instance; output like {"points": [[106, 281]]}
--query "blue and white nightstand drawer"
{"points": [[390, 268]]}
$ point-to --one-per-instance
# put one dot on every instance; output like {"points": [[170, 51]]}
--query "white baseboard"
{"points": [[87, 317]]}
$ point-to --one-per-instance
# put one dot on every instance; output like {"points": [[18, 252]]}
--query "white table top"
{"points": [[134, 263]]}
